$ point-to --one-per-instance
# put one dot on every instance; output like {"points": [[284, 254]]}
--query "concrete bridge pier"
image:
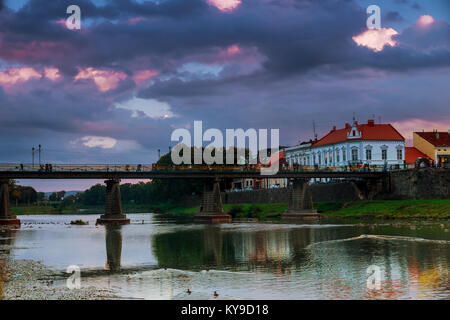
{"points": [[6, 218], [211, 210], [113, 205], [300, 205]]}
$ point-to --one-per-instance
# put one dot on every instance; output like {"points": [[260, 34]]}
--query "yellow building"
{"points": [[434, 144]]}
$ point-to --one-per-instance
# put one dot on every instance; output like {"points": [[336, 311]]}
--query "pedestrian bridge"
{"points": [[300, 201], [139, 171]]}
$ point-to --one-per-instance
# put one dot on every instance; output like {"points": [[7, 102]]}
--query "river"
{"points": [[159, 258]]}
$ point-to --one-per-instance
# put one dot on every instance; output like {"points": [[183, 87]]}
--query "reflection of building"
{"points": [[435, 145]]}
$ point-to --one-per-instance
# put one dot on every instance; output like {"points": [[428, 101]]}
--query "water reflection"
{"points": [[113, 239], [218, 248], [315, 257], [162, 259]]}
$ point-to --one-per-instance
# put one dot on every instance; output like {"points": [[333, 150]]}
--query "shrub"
{"points": [[235, 210], [254, 212]]}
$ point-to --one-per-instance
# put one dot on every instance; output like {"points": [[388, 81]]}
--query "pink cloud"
{"points": [[12, 76], [61, 22], [408, 126], [225, 5], [133, 21], [424, 21], [376, 39], [141, 76], [52, 73], [35, 51], [233, 50], [99, 127], [104, 79]]}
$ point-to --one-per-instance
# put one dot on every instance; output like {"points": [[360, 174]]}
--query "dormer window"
{"points": [[354, 133]]}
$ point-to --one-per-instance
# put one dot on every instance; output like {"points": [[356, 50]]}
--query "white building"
{"points": [[369, 143], [299, 154]]}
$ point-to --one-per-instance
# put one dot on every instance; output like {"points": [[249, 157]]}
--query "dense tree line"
{"points": [[20, 195]]}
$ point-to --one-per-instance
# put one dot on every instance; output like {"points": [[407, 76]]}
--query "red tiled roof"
{"points": [[442, 141], [412, 154], [368, 132]]}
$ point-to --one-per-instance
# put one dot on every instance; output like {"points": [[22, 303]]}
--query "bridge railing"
{"points": [[194, 168], [74, 168]]}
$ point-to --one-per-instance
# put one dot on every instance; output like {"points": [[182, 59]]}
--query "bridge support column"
{"points": [[113, 204], [300, 205], [6, 218], [211, 210]]}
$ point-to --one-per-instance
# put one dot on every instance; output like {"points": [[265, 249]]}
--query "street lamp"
{"points": [[33, 151]]}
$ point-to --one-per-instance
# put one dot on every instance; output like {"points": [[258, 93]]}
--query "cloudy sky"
{"points": [[114, 91]]}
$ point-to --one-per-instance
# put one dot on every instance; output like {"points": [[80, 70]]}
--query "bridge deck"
{"points": [[14, 171]]}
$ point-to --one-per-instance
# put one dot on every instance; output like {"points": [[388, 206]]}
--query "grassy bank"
{"points": [[77, 209], [26, 210], [384, 209]]}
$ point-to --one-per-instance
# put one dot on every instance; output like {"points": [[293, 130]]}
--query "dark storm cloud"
{"points": [[393, 16], [416, 6], [295, 36]]}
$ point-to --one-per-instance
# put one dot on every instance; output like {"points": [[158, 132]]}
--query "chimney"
{"points": [[448, 132], [371, 123], [356, 123], [437, 134], [334, 128], [347, 125]]}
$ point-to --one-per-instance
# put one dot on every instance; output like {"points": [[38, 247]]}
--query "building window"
{"points": [[355, 154], [344, 156], [337, 156], [383, 154], [368, 154], [399, 154]]}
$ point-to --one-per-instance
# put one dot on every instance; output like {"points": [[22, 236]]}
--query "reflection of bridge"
{"points": [[300, 200]]}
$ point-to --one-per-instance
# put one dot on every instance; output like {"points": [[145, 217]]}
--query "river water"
{"points": [[158, 258]]}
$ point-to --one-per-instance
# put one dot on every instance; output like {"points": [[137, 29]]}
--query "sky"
{"points": [[115, 90]]}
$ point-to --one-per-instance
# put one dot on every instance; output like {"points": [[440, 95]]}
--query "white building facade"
{"points": [[372, 144], [299, 154]]}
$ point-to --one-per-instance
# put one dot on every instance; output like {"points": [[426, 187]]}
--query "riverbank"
{"points": [[379, 209], [31, 280], [127, 208]]}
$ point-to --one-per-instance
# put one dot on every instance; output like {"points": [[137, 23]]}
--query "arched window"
{"points": [[354, 154]]}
